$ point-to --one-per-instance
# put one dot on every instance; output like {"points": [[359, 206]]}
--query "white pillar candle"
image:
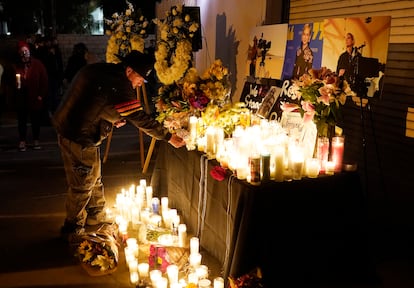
{"points": [[172, 272], [148, 192], [194, 245], [164, 204], [143, 183], [182, 235]]}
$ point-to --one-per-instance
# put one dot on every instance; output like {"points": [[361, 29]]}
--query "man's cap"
{"points": [[141, 63], [22, 44]]}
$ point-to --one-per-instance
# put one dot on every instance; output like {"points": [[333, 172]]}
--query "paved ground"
{"points": [[32, 212]]}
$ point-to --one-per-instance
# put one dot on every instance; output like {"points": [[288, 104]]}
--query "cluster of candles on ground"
{"points": [[136, 207], [267, 151]]}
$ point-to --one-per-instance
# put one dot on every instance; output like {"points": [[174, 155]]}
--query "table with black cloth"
{"points": [[306, 231]]}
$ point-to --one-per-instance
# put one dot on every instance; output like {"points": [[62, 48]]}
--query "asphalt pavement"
{"points": [[33, 191]]}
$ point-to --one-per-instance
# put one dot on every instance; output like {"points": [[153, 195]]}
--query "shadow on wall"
{"points": [[227, 48]]}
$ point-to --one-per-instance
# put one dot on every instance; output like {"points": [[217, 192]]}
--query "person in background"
{"points": [[100, 97], [304, 54], [54, 66], [347, 60], [31, 90], [76, 61]]}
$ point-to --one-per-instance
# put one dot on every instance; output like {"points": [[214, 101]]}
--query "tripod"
{"points": [[360, 87]]}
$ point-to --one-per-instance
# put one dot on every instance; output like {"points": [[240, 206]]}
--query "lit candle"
{"points": [[337, 152], [195, 260], [218, 282], [172, 272], [194, 245], [155, 276], [182, 235], [148, 192], [18, 81], [330, 168], [134, 277], [193, 127], [143, 269], [312, 167]]}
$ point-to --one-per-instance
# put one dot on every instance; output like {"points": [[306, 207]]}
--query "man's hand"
{"points": [[176, 141]]}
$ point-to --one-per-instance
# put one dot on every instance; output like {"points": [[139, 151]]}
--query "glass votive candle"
{"points": [[204, 283], [195, 260], [134, 277], [330, 168], [172, 272], [143, 269], [202, 272], [218, 282], [162, 282], [155, 276], [312, 167], [193, 278]]}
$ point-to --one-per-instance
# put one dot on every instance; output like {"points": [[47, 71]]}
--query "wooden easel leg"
{"points": [[141, 148], [108, 144], [149, 154]]}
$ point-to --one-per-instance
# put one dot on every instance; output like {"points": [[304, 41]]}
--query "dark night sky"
{"points": [[25, 16]]}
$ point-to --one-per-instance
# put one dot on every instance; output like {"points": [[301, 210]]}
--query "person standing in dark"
{"points": [[76, 61], [304, 54], [101, 96], [31, 91], [347, 60]]}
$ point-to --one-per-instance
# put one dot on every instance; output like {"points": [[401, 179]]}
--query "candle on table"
{"points": [[134, 277], [182, 235], [330, 168], [337, 152], [195, 260], [218, 282], [143, 269], [172, 272], [312, 167], [194, 245]]}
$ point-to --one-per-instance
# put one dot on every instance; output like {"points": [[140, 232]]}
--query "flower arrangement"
{"points": [[252, 279], [98, 253], [319, 96], [191, 95], [174, 48], [127, 32]]}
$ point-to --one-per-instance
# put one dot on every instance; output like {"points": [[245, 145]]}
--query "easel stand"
{"points": [[144, 160]]}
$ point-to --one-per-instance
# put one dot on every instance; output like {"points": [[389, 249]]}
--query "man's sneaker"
{"points": [[70, 231], [36, 145], [22, 146]]}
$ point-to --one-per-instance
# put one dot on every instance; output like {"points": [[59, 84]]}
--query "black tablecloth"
{"points": [[306, 231]]}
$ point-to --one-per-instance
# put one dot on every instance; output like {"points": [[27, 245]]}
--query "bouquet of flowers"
{"points": [[249, 280], [319, 96], [127, 32], [191, 95], [98, 251]]}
